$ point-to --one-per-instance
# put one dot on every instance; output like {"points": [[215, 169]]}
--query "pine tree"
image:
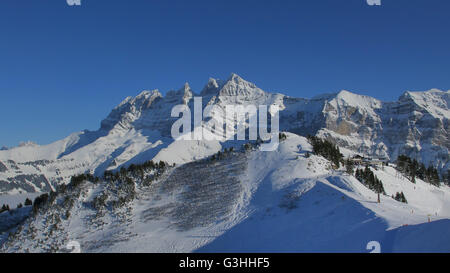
{"points": [[40, 201], [403, 198], [4, 208], [28, 202], [400, 196], [446, 178], [349, 165]]}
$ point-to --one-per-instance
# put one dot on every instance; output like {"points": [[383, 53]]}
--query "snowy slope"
{"points": [[250, 201]]}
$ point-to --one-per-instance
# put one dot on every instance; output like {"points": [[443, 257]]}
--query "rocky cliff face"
{"points": [[415, 125], [138, 129], [418, 125]]}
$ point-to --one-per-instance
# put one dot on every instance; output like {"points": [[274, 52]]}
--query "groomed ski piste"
{"points": [[288, 200]]}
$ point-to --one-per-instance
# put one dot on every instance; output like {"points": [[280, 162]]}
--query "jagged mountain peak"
{"points": [[182, 95], [144, 99], [233, 86], [130, 109], [184, 90], [212, 87], [146, 95], [236, 86], [238, 80], [235, 77]]}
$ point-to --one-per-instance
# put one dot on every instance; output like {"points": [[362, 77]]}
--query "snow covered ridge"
{"points": [[139, 129], [238, 200], [222, 124]]}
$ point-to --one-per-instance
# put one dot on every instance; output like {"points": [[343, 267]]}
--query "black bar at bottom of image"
{"points": [[224, 262]]}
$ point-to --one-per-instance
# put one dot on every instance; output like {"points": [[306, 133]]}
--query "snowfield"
{"points": [[248, 201]]}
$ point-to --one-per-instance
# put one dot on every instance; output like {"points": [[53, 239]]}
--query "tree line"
{"points": [[326, 149], [368, 178], [6, 207], [124, 179], [413, 169]]}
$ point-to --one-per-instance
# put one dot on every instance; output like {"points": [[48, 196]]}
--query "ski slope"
{"points": [[252, 201]]}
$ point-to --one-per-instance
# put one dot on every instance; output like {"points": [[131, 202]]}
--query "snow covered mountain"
{"points": [[416, 125], [138, 129], [245, 200]]}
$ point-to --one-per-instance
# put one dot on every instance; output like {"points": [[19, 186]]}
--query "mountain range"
{"points": [[138, 130]]}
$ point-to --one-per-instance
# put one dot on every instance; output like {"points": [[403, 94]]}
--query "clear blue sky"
{"points": [[62, 68]]}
